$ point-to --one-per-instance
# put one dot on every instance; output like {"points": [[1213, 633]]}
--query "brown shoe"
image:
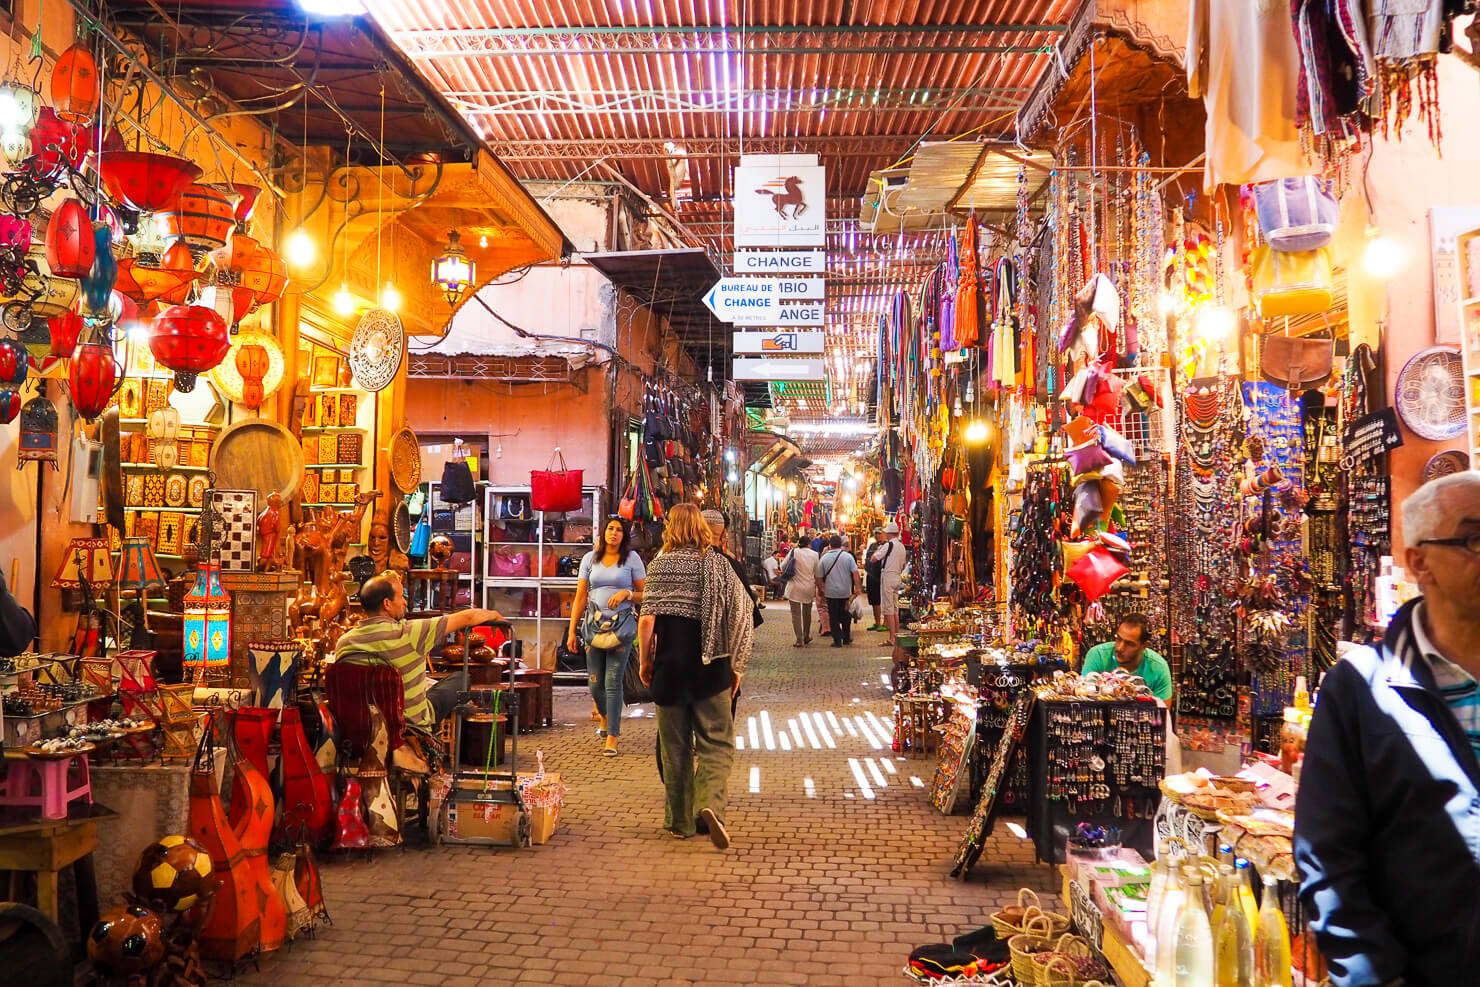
{"points": [[718, 835]]}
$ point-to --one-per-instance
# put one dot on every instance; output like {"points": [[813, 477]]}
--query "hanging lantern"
{"points": [[56, 145], [92, 376], [143, 181], [97, 286], [15, 362], [18, 109], [242, 301], [74, 85], [231, 377], [266, 275], [15, 232], [203, 216], [38, 432], [70, 247], [245, 204], [10, 404], [454, 271], [188, 339], [179, 261], [207, 625], [252, 363], [219, 299], [64, 330], [234, 256], [45, 294]]}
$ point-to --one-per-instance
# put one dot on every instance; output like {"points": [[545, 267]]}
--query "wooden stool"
{"points": [[486, 672], [545, 679], [47, 847], [45, 784]]}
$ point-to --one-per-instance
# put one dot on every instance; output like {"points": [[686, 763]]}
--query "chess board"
{"points": [[237, 535]]}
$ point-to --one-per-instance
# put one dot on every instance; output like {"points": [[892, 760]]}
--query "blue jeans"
{"points": [[604, 671]]}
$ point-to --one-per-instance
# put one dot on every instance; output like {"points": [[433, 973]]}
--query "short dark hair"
{"points": [[836, 541], [1140, 622], [376, 592]]}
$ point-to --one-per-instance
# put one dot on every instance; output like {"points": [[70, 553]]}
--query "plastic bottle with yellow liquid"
{"points": [[1272, 942]]}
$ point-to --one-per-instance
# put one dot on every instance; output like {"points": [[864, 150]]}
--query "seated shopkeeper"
{"points": [[386, 637], [1128, 653]]}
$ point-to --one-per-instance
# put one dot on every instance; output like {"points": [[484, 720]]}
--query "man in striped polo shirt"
{"points": [[1387, 818], [386, 637]]}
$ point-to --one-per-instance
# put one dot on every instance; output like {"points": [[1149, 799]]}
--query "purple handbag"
{"points": [[1296, 213]]}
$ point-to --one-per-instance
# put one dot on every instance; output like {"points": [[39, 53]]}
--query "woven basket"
{"points": [[1034, 939], [1009, 921], [1068, 947]]}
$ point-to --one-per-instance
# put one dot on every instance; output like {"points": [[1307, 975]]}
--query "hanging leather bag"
{"points": [[1297, 363]]}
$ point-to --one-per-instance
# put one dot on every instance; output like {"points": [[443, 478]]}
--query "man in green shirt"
{"points": [[1128, 653]]}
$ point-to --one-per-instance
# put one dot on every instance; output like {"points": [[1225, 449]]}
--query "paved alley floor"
{"points": [[839, 865]]}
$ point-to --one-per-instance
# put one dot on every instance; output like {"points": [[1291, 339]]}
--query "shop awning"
{"points": [[672, 284]]}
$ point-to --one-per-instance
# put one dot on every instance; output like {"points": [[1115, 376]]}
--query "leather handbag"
{"points": [[1296, 213], [514, 507], [1297, 363], [1292, 283], [508, 563], [607, 630], [554, 489]]}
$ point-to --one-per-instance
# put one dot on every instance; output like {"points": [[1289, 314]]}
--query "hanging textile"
{"points": [[970, 297], [1406, 36], [1337, 75]]}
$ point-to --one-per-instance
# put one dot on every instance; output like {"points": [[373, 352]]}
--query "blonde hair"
{"points": [[685, 529]]}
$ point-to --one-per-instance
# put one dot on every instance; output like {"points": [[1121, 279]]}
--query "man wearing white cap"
{"points": [[891, 556]]}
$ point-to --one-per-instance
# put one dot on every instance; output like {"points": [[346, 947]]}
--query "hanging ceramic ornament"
{"points": [[377, 349], [38, 432]]}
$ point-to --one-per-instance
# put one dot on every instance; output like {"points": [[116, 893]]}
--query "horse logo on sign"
{"points": [[785, 192]]}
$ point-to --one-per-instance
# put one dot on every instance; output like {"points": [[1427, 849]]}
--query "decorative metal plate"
{"points": [[377, 349], [405, 460], [1445, 463], [1431, 393]]}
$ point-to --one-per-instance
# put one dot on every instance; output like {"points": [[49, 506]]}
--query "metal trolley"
{"points": [[490, 796]]}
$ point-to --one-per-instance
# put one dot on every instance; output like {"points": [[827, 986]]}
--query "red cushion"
{"points": [[352, 690]]}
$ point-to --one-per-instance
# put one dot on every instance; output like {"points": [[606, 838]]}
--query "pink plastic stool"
{"points": [[44, 783]]}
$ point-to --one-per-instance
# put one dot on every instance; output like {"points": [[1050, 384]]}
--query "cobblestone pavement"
{"points": [[839, 865]]}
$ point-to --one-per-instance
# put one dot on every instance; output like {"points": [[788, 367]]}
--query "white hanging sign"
{"points": [[764, 368], [779, 343], [780, 201], [780, 261]]}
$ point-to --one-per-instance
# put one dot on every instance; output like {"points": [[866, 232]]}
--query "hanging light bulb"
{"points": [[344, 302], [1384, 256], [976, 432], [1214, 322], [299, 248], [390, 298]]}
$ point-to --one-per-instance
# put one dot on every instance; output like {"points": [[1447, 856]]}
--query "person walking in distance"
{"points": [[837, 577], [695, 637], [892, 556], [871, 573], [610, 584], [801, 589]]}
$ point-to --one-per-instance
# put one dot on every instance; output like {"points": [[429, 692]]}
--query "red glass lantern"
{"points": [[92, 376], [189, 339], [65, 329], [70, 249], [144, 181], [56, 144], [252, 362], [267, 275], [203, 216], [74, 85]]}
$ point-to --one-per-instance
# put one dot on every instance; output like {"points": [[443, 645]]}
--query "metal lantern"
{"points": [[207, 624], [38, 432], [92, 375], [266, 275], [97, 286], [74, 85], [18, 109], [188, 339], [10, 403], [454, 271], [70, 246], [203, 216], [15, 362], [252, 362], [143, 181], [64, 329], [138, 569]]}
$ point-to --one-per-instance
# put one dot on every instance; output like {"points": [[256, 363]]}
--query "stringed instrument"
{"points": [[232, 928], [253, 807], [308, 797]]}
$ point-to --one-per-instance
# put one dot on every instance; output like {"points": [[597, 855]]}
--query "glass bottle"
{"points": [[1158, 887], [1246, 894], [1272, 942], [1233, 941], [1165, 933], [1192, 960]]}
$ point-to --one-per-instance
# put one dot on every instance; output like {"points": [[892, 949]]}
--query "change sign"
{"points": [[767, 301]]}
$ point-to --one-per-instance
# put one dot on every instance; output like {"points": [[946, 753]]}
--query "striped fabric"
{"points": [[1462, 694], [404, 645]]}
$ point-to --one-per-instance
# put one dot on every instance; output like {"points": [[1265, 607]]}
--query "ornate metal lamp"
{"points": [[454, 271]]}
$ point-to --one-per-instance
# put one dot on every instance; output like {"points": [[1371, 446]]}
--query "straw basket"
{"points": [[1033, 939], [1009, 921], [1066, 949]]}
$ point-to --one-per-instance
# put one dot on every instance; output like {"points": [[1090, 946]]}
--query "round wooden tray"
{"points": [[257, 454], [39, 755], [405, 454]]}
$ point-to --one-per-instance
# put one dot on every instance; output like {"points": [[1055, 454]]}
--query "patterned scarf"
{"points": [[703, 587]]}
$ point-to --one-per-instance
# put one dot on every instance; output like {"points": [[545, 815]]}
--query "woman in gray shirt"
{"points": [[611, 581]]}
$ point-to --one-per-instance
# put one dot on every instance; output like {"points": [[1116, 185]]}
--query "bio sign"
{"points": [[780, 201]]}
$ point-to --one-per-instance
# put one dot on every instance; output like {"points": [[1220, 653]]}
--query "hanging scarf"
{"points": [[969, 295]]}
